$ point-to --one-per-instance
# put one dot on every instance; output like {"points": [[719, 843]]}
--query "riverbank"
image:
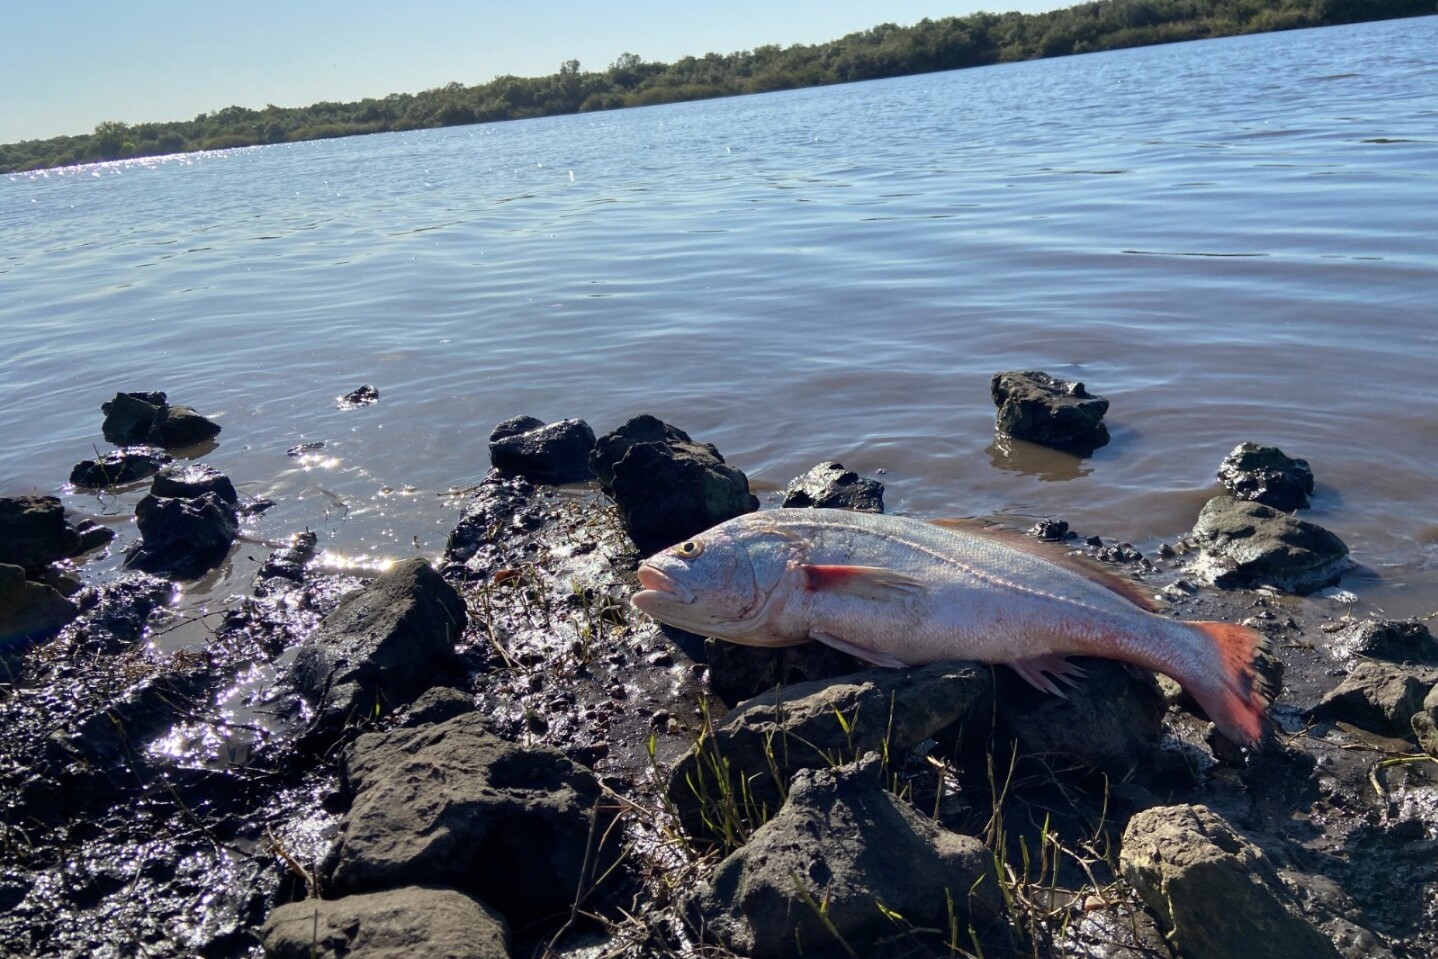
{"points": [[505, 755]]}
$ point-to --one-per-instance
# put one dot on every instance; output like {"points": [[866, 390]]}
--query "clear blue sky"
{"points": [[66, 65]]}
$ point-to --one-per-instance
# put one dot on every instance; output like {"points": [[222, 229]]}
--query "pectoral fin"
{"points": [[870, 582], [1041, 671], [867, 655]]}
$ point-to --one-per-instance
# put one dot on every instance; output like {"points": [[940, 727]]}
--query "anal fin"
{"points": [[1042, 671], [867, 655]]}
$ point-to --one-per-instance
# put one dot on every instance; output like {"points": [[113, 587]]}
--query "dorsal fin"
{"points": [[1056, 554]]}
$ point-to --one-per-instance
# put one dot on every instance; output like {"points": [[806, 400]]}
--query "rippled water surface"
{"points": [[1231, 240]]}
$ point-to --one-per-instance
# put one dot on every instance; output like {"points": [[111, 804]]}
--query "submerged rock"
{"points": [[380, 647], [187, 522], [148, 418], [395, 924], [29, 611], [35, 533], [117, 467], [844, 845], [667, 486], [1265, 475], [452, 804], [1044, 409], [364, 396], [1214, 891], [829, 485], [546, 453], [818, 723], [1246, 544]]}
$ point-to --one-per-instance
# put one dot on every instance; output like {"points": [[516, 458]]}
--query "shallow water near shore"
{"points": [[1231, 240]]}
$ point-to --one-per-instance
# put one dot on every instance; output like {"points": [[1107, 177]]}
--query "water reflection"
{"points": [[1031, 459]]}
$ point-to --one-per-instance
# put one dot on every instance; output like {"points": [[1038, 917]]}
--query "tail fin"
{"points": [[1232, 692]]}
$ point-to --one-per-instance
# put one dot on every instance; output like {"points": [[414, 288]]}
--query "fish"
{"points": [[897, 592]]}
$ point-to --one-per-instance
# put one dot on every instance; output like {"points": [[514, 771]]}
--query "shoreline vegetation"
{"points": [[884, 51]]}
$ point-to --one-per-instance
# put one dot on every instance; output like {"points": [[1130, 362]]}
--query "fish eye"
{"points": [[689, 549]]}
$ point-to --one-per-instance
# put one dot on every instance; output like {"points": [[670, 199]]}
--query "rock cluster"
{"points": [[1044, 409], [148, 419]]}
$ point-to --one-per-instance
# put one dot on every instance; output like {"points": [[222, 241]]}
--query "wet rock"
{"points": [[364, 396], [1214, 890], [1265, 475], [35, 533], [667, 486], [380, 647], [1425, 723], [193, 480], [117, 612], [118, 467], [453, 804], [552, 453], [1398, 641], [830, 486], [881, 709], [737, 673], [1051, 530], [289, 562], [438, 705], [183, 537], [843, 841], [148, 418], [1379, 697], [29, 611], [1112, 721], [1043, 409], [1246, 545], [394, 924]]}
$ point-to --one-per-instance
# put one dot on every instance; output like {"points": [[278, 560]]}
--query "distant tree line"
{"points": [[883, 51]]}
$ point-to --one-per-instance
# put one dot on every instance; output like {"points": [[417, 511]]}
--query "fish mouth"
{"points": [[656, 585]]}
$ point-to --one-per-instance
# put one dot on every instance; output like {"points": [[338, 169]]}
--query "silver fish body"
{"points": [[901, 592]]}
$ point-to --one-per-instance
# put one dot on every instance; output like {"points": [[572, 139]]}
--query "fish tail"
{"points": [[1231, 691]]}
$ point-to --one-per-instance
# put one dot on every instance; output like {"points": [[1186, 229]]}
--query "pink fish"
{"points": [[901, 592]]}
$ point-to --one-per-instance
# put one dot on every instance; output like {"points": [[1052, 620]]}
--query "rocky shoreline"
{"points": [[494, 755]]}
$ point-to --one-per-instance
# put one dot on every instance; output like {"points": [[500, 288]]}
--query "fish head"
{"points": [[715, 584]]}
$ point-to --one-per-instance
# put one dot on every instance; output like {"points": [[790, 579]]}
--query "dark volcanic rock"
{"points": [[364, 396], [882, 709], [395, 924], [553, 453], [148, 418], [29, 611], [118, 467], [1043, 409], [1217, 893], [453, 804], [1265, 475], [381, 647], [194, 480], [1248, 544], [846, 842], [35, 533], [1051, 530], [830, 485], [183, 538], [1379, 697], [1112, 721], [1398, 641], [290, 561], [667, 486]]}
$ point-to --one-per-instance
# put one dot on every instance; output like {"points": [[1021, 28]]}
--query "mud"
{"points": [[157, 803]]}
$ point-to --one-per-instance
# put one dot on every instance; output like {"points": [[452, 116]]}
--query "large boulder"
{"points": [[29, 611], [1044, 409], [35, 533], [667, 486], [829, 485], [188, 522], [380, 647], [843, 865], [1266, 475], [403, 923], [812, 726], [546, 453], [1216, 893], [455, 805], [148, 418], [1246, 545]]}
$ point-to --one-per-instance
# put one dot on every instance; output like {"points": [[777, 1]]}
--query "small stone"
{"points": [[830, 486], [1398, 641], [391, 924], [118, 467], [1051, 530], [364, 396]]}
